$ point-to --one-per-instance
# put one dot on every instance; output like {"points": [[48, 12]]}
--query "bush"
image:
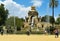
{"points": [[32, 32], [50, 29], [37, 32], [21, 32]]}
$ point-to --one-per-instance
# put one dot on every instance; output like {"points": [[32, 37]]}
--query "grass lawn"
{"points": [[28, 38]]}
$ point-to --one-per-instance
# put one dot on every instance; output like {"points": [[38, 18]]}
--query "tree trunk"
{"points": [[53, 12], [53, 15]]}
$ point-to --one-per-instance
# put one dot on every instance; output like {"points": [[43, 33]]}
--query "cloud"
{"points": [[37, 3], [0, 1], [19, 10], [16, 9], [56, 18]]}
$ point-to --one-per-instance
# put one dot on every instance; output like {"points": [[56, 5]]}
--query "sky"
{"points": [[20, 8]]}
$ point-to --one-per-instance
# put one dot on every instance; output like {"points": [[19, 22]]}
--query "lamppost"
{"points": [[14, 23], [48, 13]]}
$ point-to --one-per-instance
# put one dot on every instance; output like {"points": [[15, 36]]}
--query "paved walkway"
{"points": [[28, 38]]}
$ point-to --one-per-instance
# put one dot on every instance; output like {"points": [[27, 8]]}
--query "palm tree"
{"points": [[53, 4]]}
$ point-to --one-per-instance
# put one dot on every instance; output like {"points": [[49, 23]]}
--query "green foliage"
{"points": [[44, 18], [53, 3], [3, 14], [47, 18], [50, 29], [58, 20], [18, 21], [52, 20]]}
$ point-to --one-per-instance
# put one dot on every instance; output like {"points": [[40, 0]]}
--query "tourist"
{"points": [[28, 32], [56, 33], [1, 32], [45, 32]]}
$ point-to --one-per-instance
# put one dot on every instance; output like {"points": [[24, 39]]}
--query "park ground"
{"points": [[28, 38]]}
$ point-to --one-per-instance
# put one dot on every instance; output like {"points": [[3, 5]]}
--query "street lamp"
{"points": [[14, 23]]}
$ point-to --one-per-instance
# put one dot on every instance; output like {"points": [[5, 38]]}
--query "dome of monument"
{"points": [[33, 11], [32, 7]]}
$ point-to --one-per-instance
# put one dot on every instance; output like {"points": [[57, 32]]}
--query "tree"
{"points": [[19, 22], [52, 20], [58, 20], [53, 4], [3, 14], [45, 19]]}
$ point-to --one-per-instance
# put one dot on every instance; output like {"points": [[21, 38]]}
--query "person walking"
{"points": [[1, 32], [28, 32], [56, 33]]}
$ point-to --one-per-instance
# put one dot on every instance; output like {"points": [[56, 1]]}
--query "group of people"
{"points": [[55, 31]]}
